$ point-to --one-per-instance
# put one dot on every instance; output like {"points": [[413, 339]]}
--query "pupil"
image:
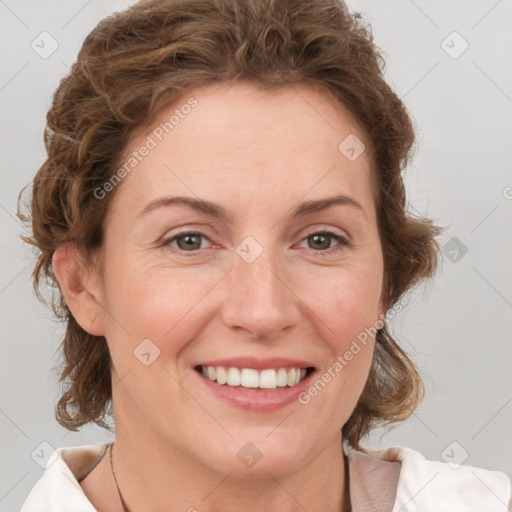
{"points": [[316, 238], [190, 242]]}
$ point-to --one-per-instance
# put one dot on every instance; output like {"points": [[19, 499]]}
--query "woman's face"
{"points": [[245, 280]]}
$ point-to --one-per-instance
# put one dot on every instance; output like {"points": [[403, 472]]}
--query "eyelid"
{"points": [[167, 239], [314, 228], [330, 230], [342, 237], [343, 240]]}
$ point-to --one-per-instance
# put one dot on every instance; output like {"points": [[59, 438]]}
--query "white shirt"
{"points": [[395, 479]]}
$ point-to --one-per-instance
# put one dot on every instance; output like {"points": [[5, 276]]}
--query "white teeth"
{"points": [[251, 378], [222, 377], [282, 377], [233, 377], [268, 379]]}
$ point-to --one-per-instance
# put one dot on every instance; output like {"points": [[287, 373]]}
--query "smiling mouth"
{"points": [[252, 379]]}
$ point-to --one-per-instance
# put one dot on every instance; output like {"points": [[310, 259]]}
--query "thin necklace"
{"points": [[125, 508]]}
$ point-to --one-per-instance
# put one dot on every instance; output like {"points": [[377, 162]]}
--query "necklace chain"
{"points": [[125, 508]]}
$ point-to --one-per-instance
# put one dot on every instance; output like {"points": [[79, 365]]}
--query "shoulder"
{"points": [[59, 487], [432, 486]]}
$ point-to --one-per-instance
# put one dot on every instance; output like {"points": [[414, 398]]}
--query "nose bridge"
{"points": [[259, 278], [259, 300]]}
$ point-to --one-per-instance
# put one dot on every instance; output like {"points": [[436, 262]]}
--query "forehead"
{"points": [[237, 138]]}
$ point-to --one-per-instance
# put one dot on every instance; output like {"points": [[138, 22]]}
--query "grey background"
{"points": [[457, 328]]}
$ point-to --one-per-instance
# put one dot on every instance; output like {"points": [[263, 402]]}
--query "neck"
{"points": [[155, 475]]}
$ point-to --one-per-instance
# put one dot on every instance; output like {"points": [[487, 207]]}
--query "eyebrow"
{"points": [[217, 211]]}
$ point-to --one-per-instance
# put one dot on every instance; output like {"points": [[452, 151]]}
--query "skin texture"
{"points": [[258, 154]]}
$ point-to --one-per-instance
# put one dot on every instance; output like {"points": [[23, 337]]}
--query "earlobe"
{"points": [[79, 289]]}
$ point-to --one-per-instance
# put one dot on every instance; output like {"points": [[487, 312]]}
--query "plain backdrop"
{"points": [[451, 62]]}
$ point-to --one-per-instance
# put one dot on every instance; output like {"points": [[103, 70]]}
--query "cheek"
{"points": [[161, 304], [347, 304], [346, 311]]}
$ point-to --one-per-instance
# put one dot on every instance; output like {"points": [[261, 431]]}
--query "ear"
{"points": [[80, 288]]}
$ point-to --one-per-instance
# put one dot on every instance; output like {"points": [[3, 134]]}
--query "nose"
{"points": [[260, 299]]}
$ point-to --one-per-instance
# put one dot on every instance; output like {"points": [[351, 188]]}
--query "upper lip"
{"points": [[257, 363]]}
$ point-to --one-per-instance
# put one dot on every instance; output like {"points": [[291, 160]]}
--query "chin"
{"points": [[257, 453]]}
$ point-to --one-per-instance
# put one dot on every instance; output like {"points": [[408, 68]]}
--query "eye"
{"points": [[187, 241], [321, 241]]}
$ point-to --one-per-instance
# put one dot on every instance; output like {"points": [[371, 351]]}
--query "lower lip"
{"points": [[256, 399]]}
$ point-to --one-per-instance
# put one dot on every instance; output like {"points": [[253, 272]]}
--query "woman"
{"points": [[223, 213]]}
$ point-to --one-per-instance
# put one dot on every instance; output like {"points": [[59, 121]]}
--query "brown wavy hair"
{"points": [[141, 59]]}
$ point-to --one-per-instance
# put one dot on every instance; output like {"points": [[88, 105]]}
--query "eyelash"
{"points": [[342, 242]]}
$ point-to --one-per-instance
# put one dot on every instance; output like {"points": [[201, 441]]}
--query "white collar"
{"points": [[395, 479]]}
